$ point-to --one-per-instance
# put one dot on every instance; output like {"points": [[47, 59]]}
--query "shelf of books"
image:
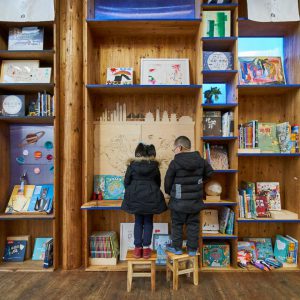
{"points": [[244, 122], [29, 145]]}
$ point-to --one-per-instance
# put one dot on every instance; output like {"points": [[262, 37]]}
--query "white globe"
{"points": [[213, 188]]}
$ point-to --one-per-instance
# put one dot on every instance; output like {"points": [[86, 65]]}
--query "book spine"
{"points": [[231, 124]]}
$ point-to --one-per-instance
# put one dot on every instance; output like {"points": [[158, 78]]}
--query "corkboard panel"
{"points": [[125, 52]]}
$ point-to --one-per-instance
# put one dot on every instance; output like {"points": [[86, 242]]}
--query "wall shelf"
{"points": [[28, 120], [269, 154], [26, 87], [277, 89], [219, 138], [225, 106], [225, 6], [42, 55], [218, 76]]}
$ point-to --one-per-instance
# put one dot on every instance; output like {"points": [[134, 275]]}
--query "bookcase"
{"points": [[120, 43], [35, 225]]}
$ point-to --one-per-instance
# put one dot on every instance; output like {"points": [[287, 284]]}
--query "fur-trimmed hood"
{"points": [[142, 159]]}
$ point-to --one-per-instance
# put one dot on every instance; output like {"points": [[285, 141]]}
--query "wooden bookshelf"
{"points": [[33, 224]]}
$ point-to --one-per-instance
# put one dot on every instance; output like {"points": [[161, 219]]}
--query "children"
{"points": [[184, 183], [143, 196]]}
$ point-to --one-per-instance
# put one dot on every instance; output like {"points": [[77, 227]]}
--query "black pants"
{"points": [[143, 228], [192, 225]]}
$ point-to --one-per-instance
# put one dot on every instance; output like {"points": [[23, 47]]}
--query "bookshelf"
{"points": [[124, 42], [33, 224]]}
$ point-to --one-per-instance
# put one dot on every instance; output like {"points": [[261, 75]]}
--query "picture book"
{"points": [[160, 243], [216, 23], [114, 188], [14, 251], [216, 255], [260, 70], [248, 247], [119, 76], [267, 138], [48, 260], [295, 254], [262, 206], [224, 214], [20, 199], [42, 199], [40, 248], [210, 221], [281, 248], [283, 132], [217, 61], [104, 244], [219, 157], [26, 238], [272, 192], [264, 248], [212, 123], [230, 224]]}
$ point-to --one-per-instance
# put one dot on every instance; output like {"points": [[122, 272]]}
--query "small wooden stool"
{"points": [[191, 266], [141, 262]]}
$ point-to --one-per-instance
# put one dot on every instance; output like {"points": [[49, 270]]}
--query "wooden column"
{"points": [[71, 97]]}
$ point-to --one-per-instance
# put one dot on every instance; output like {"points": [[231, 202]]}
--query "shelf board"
{"points": [[26, 87], [43, 55], [137, 89], [226, 171], [219, 203], [225, 106], [225, 6], [266, 220], [28, 120], [219, 138], [106, 28], [218, 236], [248, 28], [102, 205], [214, 269], [26, 266], [47, 24], [218, 44], [266, 89], [269, 154], [251, 268], [218, 76], [29, 216]]}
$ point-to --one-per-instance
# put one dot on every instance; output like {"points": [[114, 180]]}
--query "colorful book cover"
{"points": [[272, 192], [281, 248], [224, 213], [119, 76], [114, 188], [283, 132], [40, 248], [217, 61], [216, 255], [210, 221], [230, 224], [264, 248], [99, 184], [212, 124], [248, 247], [295, 255], [267, 138], [19, 200], [42, 198], [216, 23], [160, 243], [14, 251], [48, 260], [262, 207]]}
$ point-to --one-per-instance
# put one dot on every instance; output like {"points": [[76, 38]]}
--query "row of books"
{"points": [[104, 244], [218, 221], [217, 156], [217, 124], [18, 248], [43, 106]]}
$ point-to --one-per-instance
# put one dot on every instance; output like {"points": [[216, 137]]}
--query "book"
{"points": [[218, 157], [25, 38], [160, 243], [284, 249], [26, 238], [216, 255], [104, 244], [263, 246], [119, 76], [262, 207], [217, 61], [42, 199], [212, 123], [272, 192], [295, 255], [284, 215], [111, 187], [216, 23], [210, 221], [248, 247], [224, 214], [40, 248], [283, 132], [230, 224], [14, 250], [267, 138], [48, 260]]}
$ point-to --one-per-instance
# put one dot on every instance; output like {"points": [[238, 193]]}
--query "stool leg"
{"points": [[168, 271], [153, 276], [187, 266], [196, 271], [129, 276], [175, 275]]}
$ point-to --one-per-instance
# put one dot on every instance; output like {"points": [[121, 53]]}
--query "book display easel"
{"points": [[123, 43], [33, 224]]}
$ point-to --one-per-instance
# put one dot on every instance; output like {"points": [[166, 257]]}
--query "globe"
{"points": [[213, 188]]}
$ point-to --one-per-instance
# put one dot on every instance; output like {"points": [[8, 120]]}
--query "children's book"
{"points": [[160, 243], [216, 23], [248, 247], [111, 187], [40, 248], [210, 221], [281, 248], [295, 255], [264, 248], [272, 192], [267, 138], [219, 157], [262, 207], [212, 123], [216, 255], [48, 260], [230, 224], [119, 76], [224, 214], [283, 132], [14, 251], [26, 238], [220, 61], [42, 199]]}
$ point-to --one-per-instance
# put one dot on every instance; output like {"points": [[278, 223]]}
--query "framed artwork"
{"points": [[119, 76], [165, 71], [261, 70], [216, 23], [217, 61]]}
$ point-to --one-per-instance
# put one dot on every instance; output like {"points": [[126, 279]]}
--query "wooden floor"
{"points": [[93, 285]]}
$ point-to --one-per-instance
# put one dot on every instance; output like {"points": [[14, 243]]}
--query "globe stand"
{"points": [[213, 198]]}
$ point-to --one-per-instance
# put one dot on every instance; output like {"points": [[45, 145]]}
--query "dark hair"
{"points": [[141, 150], [184, 142], [151, 152]]}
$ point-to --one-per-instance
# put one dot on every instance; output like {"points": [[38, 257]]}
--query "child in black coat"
{"points": [[143, 196]]}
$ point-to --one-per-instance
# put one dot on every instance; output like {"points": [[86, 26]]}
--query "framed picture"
{"points": [[261, 70], [13, 105], [217, 61], [165, 71], [119, 76], [216, 23]]}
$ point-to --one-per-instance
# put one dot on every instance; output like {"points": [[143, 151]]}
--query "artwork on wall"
{"points": [[119, 76], [261, 70], [217, 61], [165, 71], [216, 23], [214, 93]]}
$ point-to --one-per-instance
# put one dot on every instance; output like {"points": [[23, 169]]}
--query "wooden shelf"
{"points": [[137, 89], [219, 138], [219, 203], [29, 216], [26, 266], [218, 44], [188, 27], [248, 28], [277, 89], [47, 24], [214, 269], [218, 76], [218, 236], [27, 120], [266, 220], [102, 205], [226, 171], [225, 106], [26, 87], [229, 6], [251, 268], [269, 154], [43, 55]]}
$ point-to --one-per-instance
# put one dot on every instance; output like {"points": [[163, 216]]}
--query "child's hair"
{"points": [[151, 152], [141, 150], [184, 142]]}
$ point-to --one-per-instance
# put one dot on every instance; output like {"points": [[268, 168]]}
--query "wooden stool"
{"points": [[191, 266], [141, 262]]}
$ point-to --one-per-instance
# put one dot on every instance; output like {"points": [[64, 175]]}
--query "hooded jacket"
{"points": [[184, 181], [142, 188]]}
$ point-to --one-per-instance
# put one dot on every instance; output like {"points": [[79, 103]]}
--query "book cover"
{"points": [[210, 221], [281, 248], [219, 157], [40, 248], [42, 199], [26, 238], [295, 256], [272, 192], [230, 224], [283, 132], [267, 138], [217, 61], [114, 188], [216, 23], [48, 260], [248, 247], [212, 123], [160, 243], [264, 247], [14, 251], [119, 76], [262, 207], [216, 255], [224, 213]]}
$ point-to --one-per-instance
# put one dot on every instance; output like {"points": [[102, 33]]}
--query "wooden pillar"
{"points": [[71, 95]]}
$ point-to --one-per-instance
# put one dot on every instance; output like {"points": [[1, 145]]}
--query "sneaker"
{"points": [[173, 250], [192, 252], [138, 252], [147, 253]]}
